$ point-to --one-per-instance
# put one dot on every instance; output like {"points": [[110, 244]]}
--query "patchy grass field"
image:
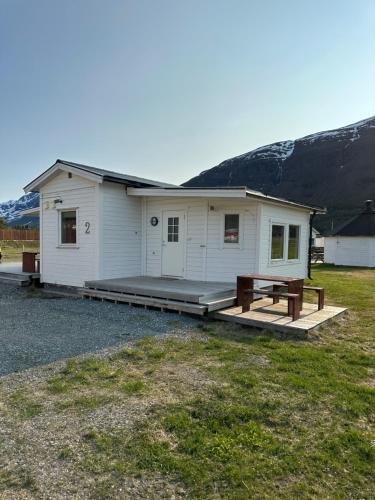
{"points": [[12, 250], [222, 413]]}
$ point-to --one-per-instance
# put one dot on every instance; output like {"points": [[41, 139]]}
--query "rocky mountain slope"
{"points": [[10, 210], [335, 169]]}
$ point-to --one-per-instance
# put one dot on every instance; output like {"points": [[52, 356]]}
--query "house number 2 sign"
{"points": [[87, 226]]}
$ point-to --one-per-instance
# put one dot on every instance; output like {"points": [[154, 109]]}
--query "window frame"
{"points": [[295, 259], [175, 235], [60, 211], [279, 259], [239, 244], [285, 260]]}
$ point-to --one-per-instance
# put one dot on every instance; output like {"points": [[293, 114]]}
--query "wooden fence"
{"points": [[19, 234]]}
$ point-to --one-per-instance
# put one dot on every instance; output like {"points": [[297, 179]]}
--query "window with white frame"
{"points": [[285, 242], [293, 242], [68, 227], [231, 229], [277, 243]]}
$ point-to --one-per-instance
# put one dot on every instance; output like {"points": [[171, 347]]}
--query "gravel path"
{"points": [[37, 328]]}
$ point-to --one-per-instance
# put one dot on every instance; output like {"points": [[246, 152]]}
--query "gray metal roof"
{"points": [[104, 175], [139, 182], [360, 225], [109, 175]]}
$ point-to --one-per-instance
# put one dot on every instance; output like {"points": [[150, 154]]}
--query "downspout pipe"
{"points": [[312, 215]]}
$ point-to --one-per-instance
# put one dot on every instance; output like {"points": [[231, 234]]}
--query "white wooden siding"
{"points": [[273, 214], [122, 242], [195, 231], [121, 232], [372, 253], [224, 263], [330, 250], [205, 256], [350, 251], [67, 265]]}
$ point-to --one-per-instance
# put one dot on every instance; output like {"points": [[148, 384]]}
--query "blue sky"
{"points": [[168, 88]]}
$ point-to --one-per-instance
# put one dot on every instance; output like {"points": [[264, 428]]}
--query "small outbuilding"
{"points": [[354, 243]]}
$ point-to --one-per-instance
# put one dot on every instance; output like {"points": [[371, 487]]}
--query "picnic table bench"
{"points": [[294, 292]]}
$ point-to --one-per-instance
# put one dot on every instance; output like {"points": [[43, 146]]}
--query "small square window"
{"points": [[68, 227], [231, 228], [277, 246]]}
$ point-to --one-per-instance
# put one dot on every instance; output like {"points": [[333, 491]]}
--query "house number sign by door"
{"points": [[154, 221], [87, 226]]}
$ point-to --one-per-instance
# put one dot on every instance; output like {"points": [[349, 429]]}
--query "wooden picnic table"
{"points": [[246, 282]]}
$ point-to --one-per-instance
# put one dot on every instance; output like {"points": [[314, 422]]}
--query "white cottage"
{"points": [[354, 243], [97, 225]]}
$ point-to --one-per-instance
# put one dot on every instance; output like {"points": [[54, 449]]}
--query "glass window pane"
{"points": [[173, 224], [231, 228], [293, 242], [277, 248], [69, 227]]}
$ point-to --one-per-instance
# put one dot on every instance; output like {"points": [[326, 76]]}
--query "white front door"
{"points": [[173, 243]]}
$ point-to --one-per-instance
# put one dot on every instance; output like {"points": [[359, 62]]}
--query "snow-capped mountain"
{"points": [[10, 210], [335, 168]]}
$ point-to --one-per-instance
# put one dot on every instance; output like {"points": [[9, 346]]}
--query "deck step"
{"points": [[217, 296], [215, 305], [14, 279], [145, 301], [19, 276]]}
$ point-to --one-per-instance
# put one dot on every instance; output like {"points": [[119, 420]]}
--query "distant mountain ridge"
{"points": [[334, 168], [10, 210]]}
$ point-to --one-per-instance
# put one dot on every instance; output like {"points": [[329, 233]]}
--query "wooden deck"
{"points": [[202, 297], [11, 272], [265, 315], [196, 297]]}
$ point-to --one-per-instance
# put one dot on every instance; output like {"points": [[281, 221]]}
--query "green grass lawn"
{"points": [[12, 250], [227, 413]]}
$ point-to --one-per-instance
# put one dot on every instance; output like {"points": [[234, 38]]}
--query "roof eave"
{"points": [[219, 192], [98, 176], [281, 201], [35, 185], [187, 193]]}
